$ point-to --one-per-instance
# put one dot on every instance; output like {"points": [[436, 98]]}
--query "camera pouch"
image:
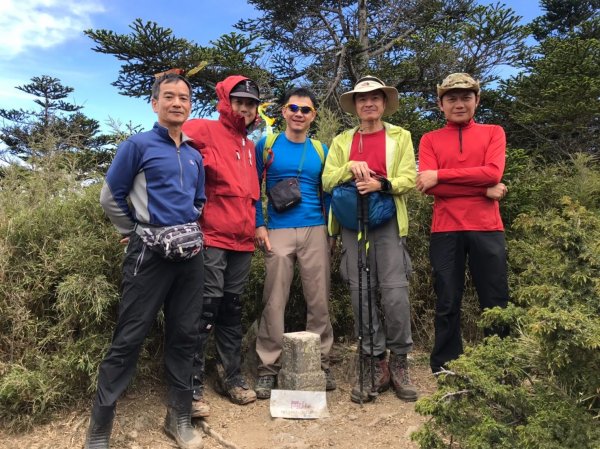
{"points": [[285, 194]]}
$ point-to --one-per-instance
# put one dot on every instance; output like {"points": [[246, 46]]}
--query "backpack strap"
{"points": [[268, 154], [319, 148]]}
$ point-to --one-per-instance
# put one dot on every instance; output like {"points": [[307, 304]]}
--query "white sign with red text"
{"points": [[299, 404]]}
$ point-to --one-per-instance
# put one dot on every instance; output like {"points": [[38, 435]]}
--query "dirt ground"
{"points": [[385, 423]]}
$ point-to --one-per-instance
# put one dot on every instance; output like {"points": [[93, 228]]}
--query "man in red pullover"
{"points": [[461, 165]]}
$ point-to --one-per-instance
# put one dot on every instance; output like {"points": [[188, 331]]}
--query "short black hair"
{"points": [[299, 92], [168, 78]]}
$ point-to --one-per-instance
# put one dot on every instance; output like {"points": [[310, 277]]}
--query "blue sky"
{"points": [[45, 37]]}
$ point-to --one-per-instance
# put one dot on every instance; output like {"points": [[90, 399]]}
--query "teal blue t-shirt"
{"points": [[285, 162]]}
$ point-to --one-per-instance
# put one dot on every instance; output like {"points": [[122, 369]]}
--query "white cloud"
{"points": [[30, 24]]}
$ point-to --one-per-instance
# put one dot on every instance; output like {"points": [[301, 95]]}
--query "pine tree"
{"points": [[58, 126]]}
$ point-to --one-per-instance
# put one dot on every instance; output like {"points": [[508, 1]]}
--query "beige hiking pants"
{"points": [[308, 246]]}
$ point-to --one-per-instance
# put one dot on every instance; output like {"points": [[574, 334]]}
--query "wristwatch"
{"points": [[386, 185]]}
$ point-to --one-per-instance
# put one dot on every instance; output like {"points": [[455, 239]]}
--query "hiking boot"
{"points": [[178, 422], [401, 379], [101, 422], [382, 380], [200, 408], [263, 387], [239, 392], [330, 384], [237, 389]]}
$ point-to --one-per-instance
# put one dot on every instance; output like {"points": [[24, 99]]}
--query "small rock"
{"points": [[411, 429]]}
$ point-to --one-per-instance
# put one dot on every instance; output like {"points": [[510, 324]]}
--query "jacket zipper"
{"points": [[180, 168], [244, 168], [249, 152]]}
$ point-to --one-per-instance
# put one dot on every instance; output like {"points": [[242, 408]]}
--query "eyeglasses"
{"points": [[295, 108]]}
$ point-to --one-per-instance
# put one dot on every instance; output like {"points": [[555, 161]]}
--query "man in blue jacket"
{"points": [[162, 177], [298, 233]]}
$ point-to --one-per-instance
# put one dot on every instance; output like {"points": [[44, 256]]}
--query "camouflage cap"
{"points": [[457, 81]]}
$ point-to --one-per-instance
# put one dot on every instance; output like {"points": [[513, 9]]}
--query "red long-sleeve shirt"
{"points": [[469, 159]]}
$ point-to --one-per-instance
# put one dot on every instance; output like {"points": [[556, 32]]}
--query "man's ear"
{"points": [[154, 103], [439, 103]]}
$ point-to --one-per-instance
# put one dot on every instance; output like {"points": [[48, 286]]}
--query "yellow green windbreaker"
{"points": [[400, 166]]}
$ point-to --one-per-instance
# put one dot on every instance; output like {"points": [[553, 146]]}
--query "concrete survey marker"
{"points": [[301, 381]]}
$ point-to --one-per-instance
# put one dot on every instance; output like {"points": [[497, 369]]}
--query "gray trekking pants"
{"points": [[390, 268]]}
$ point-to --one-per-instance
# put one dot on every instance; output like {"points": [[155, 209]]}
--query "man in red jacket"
{"points": [[228, 222], [461, 165]]}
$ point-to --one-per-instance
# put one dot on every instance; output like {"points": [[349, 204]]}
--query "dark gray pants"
{"points": [[149, 283], [448, 252], [226, 273], [390, 267]]}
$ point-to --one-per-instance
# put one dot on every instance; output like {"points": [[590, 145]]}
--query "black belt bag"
{"points": [[285, 194]]}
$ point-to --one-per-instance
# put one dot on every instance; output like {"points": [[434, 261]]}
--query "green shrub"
{"points": [[59, 265], [539, 388]]}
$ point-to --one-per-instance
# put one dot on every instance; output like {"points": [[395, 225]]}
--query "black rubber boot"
{"points": [[101, 422], [178, 422]]}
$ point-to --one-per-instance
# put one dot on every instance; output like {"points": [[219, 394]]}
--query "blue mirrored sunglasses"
{"points": [[295, 108]]}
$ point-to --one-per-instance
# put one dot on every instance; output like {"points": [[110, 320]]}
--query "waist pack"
{"points": [[285, 194], [175, 243], [344, 206]]}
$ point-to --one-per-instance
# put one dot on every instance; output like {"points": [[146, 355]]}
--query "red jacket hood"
{"points": [[226, 115]]}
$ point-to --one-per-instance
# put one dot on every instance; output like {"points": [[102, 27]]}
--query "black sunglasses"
{"points": [[295, 108]]}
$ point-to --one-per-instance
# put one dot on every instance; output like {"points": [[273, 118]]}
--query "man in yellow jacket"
{"points": [[378, 157]]}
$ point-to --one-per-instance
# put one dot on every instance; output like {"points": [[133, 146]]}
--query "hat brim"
{"points": [[244, 95], [441, 91], [391, 95]]}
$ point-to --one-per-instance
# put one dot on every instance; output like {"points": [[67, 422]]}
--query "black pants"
{"points": [[448, 252], [150, 282]]}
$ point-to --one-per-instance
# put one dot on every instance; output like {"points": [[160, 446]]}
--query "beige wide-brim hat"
{"points": [[369, 84]]}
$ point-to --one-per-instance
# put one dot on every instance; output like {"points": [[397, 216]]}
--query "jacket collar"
{"points": [[164, 133], [453, 125], [390, 129]]}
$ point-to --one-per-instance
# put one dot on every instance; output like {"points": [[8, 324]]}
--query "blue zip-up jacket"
{"points": [[164, 184]]}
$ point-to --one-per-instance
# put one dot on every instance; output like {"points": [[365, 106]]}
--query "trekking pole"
{"points": [[367, 268], [359, 235]]}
